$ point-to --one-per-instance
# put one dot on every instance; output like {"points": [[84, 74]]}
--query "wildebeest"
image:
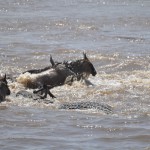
{"points": [[82, 67], [58, 74], [4, 89], [47, 79]]}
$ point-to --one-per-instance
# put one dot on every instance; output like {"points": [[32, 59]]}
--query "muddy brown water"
{"points": [[116, 37]]}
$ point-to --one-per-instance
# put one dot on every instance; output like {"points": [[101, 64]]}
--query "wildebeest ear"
{"points": [[84, 55], [52, 61]]}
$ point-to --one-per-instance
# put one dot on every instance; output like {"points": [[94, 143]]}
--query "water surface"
{"points": [[116, 37]]}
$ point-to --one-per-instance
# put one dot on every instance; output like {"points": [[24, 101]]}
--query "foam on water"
{"points": [[122, 82], [123, 91]]}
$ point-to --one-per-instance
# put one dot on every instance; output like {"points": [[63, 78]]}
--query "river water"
{"points": [[115, 35]]}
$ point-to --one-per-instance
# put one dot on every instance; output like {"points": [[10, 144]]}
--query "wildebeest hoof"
{"points": [[35, 92], [53, 97], [42, 97]]}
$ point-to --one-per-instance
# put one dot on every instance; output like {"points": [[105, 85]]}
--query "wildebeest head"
{"points": [[83, 66], [88, 66], [3, 86]]}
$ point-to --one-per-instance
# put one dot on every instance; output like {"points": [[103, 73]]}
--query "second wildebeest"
{"points": [[4, 89], [47, 79], [82, 66]]}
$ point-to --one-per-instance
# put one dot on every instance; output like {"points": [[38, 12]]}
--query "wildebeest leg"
{"points": [[50, 94], [47, 87], [42, 90], [37, 91], [87, 82], [69, 80], [45, 95], [45, 90], [79, 77]]}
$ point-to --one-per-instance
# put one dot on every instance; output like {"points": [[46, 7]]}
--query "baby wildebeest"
{"points": [[4, 89], [47, 79]]}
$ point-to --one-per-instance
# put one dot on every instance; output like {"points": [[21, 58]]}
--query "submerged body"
{"points": [[4, 89]]}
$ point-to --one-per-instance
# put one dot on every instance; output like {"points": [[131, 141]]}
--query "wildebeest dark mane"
{"points": [[75, 66], [36, 71]]}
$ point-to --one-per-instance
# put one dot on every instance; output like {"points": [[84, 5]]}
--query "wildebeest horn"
{"points": [[4, 78], [52, 61], [84, 55]]}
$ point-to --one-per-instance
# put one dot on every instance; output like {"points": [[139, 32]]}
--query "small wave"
{"points": [[131, 39]]}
